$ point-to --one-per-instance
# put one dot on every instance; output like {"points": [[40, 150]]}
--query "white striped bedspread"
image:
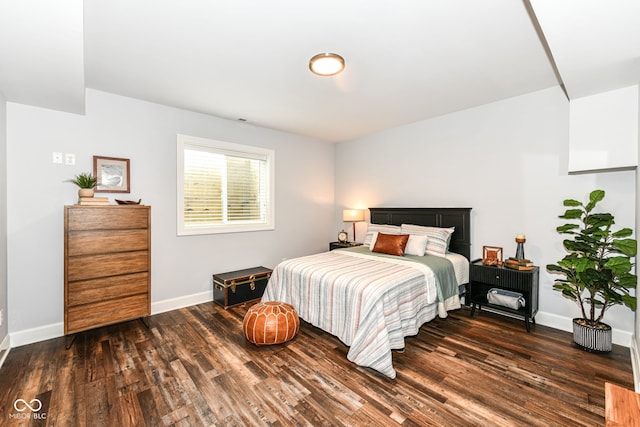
{"points": [[370, 302]]}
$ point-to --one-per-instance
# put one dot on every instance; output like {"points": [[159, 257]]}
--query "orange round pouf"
{"points": [[271, 322]]}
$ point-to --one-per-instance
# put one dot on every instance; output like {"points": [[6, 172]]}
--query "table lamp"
{"points": [[520, 239], [353, 215]]}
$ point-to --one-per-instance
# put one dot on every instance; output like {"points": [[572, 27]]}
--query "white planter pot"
{"points": [[591, 338]]}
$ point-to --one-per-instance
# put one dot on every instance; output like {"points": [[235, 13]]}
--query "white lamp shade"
{"points": [[353, 215]]}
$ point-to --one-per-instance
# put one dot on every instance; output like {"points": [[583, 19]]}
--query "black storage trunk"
{"points": [[239, 287]]}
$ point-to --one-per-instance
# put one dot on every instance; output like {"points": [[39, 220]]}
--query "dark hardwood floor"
{"points": [[193, 367]]}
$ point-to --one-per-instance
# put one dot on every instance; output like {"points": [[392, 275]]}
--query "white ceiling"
{"points": [[406, 60], [41, 60], [596, 43]]}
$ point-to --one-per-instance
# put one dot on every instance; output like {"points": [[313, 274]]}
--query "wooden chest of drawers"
{"points": [[107, 265]]}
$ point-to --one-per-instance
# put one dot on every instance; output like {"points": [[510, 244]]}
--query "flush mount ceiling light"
{"points": [[326, 64]]}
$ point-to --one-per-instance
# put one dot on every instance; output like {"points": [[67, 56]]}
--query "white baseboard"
{"points": [[554, 321], [618, 337], [179, 302], [42, 333], [4, 349], [56, 330], [635, 362]]}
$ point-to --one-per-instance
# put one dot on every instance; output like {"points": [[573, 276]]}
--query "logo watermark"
{"points": [[28, 410]]}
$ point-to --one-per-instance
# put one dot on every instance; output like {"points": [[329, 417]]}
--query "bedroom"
{"points": [[513, 174]]}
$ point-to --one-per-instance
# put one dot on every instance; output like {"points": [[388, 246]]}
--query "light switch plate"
{"points": [[57, 157], [69, 159]]}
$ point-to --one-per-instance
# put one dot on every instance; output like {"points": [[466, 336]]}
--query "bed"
{"points": [[372, 301]]}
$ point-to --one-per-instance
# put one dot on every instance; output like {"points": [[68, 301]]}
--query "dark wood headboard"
{"points": [[460, 218]]}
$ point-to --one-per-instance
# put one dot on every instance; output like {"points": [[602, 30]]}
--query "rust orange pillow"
{"points": [[391, 244]]}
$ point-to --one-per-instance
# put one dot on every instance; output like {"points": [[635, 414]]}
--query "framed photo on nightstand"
{"points": [[491, 255]]}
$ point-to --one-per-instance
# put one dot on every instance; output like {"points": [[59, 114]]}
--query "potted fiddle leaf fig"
{"points": [[596, 272], [86, 183]]}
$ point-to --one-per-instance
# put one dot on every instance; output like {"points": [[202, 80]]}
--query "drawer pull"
{"points": [[497, 277]]}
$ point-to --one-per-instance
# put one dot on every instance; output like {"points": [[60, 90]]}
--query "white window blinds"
{"points": [[223, 187]]}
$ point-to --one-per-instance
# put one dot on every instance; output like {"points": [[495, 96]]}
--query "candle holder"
{"points": [[520, 239]]}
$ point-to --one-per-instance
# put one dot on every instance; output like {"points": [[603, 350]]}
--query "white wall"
{"points": [[3, 222], [603, 130], [146, 134], [508, 161], [635, 342]]}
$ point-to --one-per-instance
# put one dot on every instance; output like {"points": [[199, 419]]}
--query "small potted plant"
{"points": [[86, 182], [596, 271]]}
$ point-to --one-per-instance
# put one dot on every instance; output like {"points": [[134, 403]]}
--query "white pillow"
{"points": [[438, 237], [382, 228], [417, 245], [373, 238]]}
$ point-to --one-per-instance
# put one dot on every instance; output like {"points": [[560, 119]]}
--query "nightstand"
{"points": [[484, 277], [338, 245]]}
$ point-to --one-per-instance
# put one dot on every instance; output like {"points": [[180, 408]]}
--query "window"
{"points": [[223, 187]]}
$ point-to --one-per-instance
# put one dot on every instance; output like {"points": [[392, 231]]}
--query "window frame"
{"points": [[222, 147]]}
